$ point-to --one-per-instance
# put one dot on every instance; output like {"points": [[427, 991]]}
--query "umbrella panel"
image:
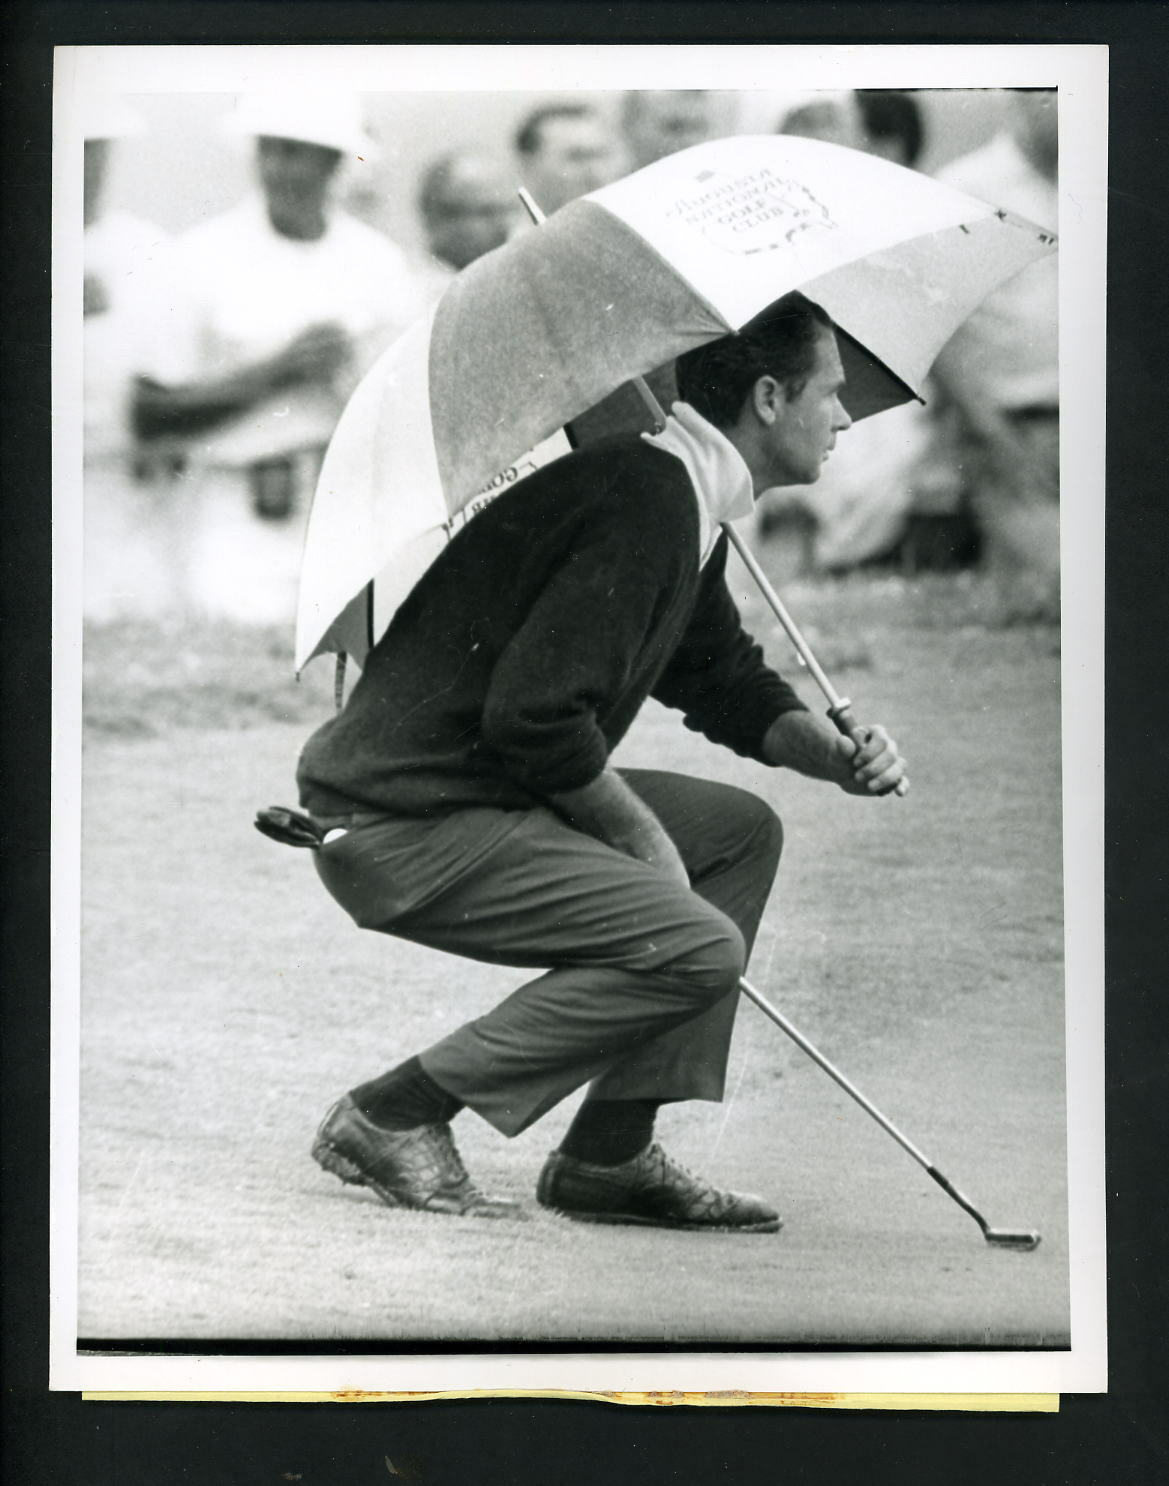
{"points": [[537, 333], [530, 336]]}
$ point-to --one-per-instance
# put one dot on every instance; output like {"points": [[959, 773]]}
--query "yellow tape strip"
{"points": [[1019, 1403]]}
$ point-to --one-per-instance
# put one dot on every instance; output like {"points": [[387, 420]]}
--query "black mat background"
{"points": [[1121, 1437]]}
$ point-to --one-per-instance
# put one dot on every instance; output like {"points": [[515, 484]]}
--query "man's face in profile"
{"points": [[805, 429]]}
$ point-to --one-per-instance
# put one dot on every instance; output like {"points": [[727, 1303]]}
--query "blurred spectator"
{"points": [[892, 125], [127, 540], [856, 514], [936, 535], [998, 423], [565, 150], [468, 206], [865, 499], [833, 116], [277, 307], [658, 123], [117, 249]]}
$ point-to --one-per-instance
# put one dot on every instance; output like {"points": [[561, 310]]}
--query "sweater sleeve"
{"points": [[570, 661], [717, 676]]}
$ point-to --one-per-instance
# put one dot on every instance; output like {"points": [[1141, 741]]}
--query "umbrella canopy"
{"points": [[612, 286]]}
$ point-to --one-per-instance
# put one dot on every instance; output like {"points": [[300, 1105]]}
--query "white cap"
{"points": [[329, 119], [110, 117]]}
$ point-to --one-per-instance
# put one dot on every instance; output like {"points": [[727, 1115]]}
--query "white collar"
{"points": [[722, 482]]}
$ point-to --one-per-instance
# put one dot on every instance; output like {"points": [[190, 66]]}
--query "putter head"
{"points": [[1024, 1239]]}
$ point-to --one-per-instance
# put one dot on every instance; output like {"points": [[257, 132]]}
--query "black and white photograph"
{"points": [[578, 591]]}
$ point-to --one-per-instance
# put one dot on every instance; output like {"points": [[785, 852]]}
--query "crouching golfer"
{"points": [[474, 809]]}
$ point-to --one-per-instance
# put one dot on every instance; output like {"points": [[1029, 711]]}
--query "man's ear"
{"points": [[768, 397]]}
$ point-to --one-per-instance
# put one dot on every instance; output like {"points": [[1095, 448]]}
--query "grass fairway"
{"points": [[226, 1001]]}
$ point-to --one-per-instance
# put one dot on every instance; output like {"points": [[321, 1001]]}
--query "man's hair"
{"points": [[716, 379], [529, 136], [887, 113]]}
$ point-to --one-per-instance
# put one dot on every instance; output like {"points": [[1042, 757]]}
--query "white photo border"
{"points": [[1080, 73]]}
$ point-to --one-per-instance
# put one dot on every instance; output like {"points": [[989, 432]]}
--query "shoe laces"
{"points": [[666, 1165]]}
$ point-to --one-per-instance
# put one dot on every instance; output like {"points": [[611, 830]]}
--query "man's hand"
{"points": [[612, 812], [797, 740], [874, 767]]}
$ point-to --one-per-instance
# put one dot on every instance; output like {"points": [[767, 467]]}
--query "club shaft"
{"points": [[960, 1198], [833, 1072], [992, 1235]]}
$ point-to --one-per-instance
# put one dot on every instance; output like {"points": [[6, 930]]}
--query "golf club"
{"points": [[1023, 1239]]}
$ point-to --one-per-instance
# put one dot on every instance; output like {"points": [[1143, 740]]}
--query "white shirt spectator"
{"points": [[242, 291], [129, 536], [124, 258]]}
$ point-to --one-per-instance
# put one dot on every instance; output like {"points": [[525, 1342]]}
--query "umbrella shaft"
{"points": [[785, 619], [530, 206], [656, 411]]}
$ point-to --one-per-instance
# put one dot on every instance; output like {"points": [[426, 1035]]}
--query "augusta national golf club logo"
{"points": [[750, 213]]}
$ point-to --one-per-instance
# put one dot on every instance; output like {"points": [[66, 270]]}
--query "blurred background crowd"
{"points": [[247, 258]]}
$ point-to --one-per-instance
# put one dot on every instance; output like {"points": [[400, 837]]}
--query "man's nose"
{"points": [[843, 421]]}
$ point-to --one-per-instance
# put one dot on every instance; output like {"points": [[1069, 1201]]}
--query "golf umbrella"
{"points": [[616, 284]]}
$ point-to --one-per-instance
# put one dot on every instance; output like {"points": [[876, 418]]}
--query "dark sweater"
{"points": [[524, 653]]}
